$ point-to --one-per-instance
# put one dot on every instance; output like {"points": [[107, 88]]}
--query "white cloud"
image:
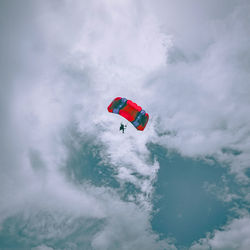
{"points": [[72, 58], [70, 68], [203, 91], [42, 247], [233, 236]]}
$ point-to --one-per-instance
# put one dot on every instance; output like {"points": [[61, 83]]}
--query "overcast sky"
{"points": [[69, 179]]}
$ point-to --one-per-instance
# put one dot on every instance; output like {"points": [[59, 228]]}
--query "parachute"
{"points": [[130, 111]]}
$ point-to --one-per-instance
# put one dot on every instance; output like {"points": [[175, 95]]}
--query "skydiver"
{"points": [[122, 127]]}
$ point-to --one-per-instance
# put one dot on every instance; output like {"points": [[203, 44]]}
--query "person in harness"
{"points": [[122, 127]]}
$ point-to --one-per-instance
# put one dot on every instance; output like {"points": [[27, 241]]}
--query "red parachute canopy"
{"points": [[130, 111]]}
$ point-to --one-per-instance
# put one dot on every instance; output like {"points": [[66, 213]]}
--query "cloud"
{"points": [[202, 91], [187, 65], [203, 94], [42, 247], [67, 69], [233, 236]]}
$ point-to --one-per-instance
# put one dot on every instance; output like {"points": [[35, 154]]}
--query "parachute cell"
{"points": [[130, 111]]}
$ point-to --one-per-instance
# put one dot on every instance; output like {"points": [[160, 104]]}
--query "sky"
{"points": [[69, 179]]}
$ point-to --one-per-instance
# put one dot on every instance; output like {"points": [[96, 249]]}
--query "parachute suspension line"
{"points": [[130, 111]]}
